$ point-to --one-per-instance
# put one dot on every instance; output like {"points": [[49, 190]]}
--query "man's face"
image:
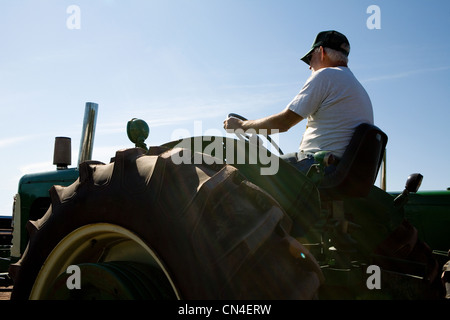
{"points": [[316, 59]]}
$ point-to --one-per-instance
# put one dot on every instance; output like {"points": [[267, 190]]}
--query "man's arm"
{"points": [[281, 122]]}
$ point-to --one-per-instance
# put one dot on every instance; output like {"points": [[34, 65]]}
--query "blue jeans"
{"points": [[304, 164]]}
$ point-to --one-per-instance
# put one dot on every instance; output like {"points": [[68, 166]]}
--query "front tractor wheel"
{"points": [[129, 269], [143, 227]]}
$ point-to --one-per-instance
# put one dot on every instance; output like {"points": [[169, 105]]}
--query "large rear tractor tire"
{"points": [[143, 227]]}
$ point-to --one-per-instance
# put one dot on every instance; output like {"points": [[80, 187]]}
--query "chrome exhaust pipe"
{"points": [[88, 132]]}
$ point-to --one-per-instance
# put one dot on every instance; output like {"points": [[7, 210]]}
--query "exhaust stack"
{"points": [[88, 132]]}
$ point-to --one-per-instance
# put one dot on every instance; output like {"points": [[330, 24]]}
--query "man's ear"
{"points": [[322, 53]]}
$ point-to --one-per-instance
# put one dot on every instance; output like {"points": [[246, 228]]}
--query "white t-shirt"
{"points": [[335, 103]]}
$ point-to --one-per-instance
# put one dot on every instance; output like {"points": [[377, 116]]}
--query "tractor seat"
{"points": [[357, 170]]}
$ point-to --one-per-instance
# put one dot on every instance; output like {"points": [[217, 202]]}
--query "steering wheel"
{"points": [[246, 137]]}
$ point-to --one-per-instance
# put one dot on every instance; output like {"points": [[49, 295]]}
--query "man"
{"points": [[332, 100]]}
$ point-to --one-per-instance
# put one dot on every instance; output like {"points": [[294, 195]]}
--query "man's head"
{"points": [[331, 43]]}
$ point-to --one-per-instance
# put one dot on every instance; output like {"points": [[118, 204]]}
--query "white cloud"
{"points": [[405, 74], [6, 142], [36, 167]]}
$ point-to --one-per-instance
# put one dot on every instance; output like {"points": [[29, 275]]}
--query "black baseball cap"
{"points": [[329, 39]]}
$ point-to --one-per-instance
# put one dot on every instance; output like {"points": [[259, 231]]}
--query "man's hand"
{"points": [[280, 122], [232, 123]]}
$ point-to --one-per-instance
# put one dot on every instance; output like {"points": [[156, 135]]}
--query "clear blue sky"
{"points": [[172, 63]]}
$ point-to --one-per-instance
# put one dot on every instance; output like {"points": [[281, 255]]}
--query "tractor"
{"points": [[206, 218]]}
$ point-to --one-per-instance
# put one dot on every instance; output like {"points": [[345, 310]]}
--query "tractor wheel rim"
{"points": [[95, 244]]}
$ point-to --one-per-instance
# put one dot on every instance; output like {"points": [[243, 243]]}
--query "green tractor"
{"points": [[207, 218]]}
